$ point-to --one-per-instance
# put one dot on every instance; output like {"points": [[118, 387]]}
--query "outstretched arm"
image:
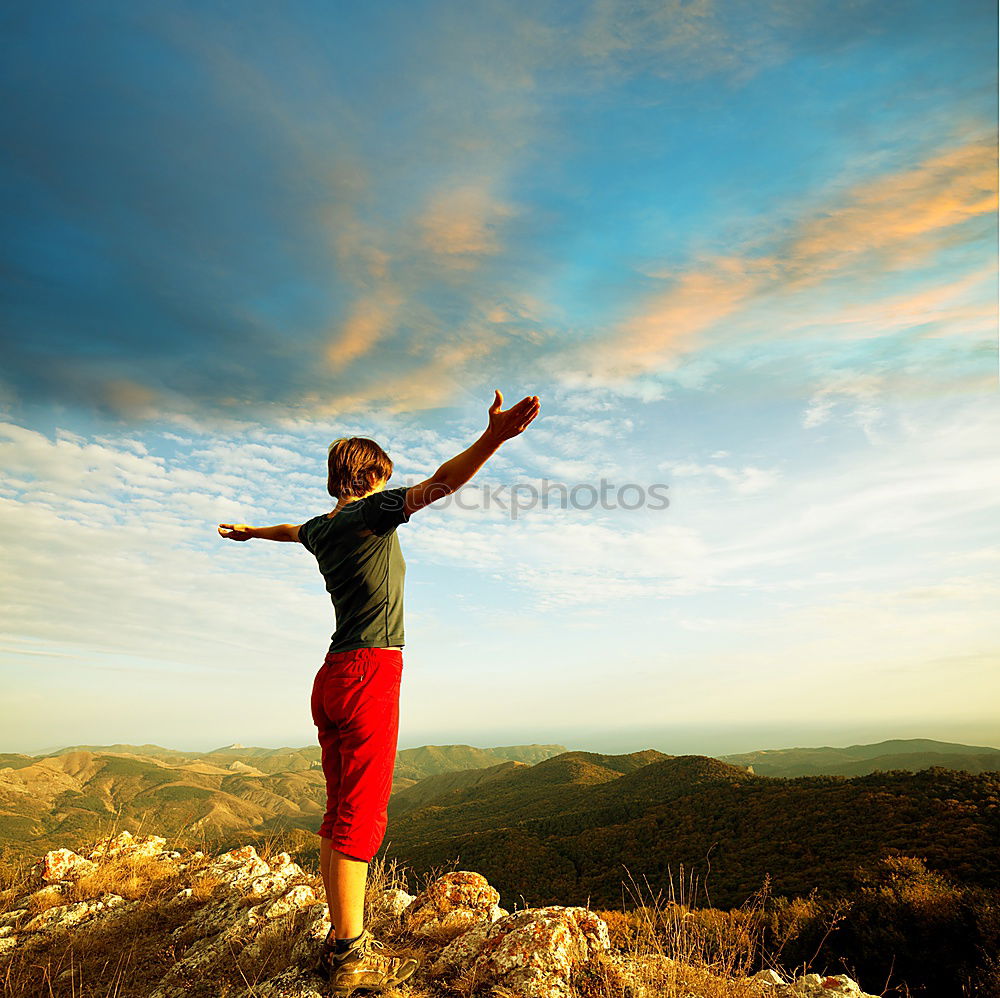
{"points": [[242, 532], [453, 474]]}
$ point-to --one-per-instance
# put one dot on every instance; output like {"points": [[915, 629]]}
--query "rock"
{"points": [[193, 860], [268, 884], [66, 916], [388, 904], [818, 985], [450, 905], [184, 975], [64, 864], [536, 950], [10, 917], [293, 983], [211, 919], [236, 868], [315, 930], [461, 951], [298, 897], [283, 866], [226, 925], [841, 984], [265, 910], [808, 983], [125, 844], [768, 977]]}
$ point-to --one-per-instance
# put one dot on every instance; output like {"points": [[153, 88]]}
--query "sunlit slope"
{"points": [[61, 799]]}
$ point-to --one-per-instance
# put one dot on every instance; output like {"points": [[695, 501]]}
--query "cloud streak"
{"points": [[888, 223]]}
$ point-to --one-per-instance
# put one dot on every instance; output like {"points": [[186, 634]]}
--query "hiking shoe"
{"points": [[366, 966]]}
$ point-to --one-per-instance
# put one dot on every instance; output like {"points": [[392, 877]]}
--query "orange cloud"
{"points": [[697, 301], [438, 381], [945, 306], [904, 217], [460, 225], [355, 243], [370, 320], [891, 222]]}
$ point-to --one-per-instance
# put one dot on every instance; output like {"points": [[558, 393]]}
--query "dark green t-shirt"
{"points": [[360, 559]]}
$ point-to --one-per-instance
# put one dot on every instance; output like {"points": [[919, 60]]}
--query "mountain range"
{"points": [[566, 826], [68, 796], [912, 754]]}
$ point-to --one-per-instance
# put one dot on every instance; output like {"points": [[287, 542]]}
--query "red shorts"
{"points": [[355, 706]]}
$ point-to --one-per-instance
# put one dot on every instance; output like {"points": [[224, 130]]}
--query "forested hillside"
{"points": [[570, 827]]}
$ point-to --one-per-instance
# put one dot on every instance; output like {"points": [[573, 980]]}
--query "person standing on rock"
{"points": [[355, 698]]}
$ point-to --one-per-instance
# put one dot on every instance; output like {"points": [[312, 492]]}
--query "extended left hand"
{"points": [[235, 531]]}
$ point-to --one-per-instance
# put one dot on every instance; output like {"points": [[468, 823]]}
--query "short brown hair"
{"points": [[355, 465]]}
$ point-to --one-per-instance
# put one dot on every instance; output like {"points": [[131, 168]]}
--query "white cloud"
{"points": [[855, 394], [772, 556], [747, 480]]}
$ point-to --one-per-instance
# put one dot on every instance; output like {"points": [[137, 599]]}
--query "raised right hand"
{"points": [[506, 424]]}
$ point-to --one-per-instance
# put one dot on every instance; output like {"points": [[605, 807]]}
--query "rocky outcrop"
{"points": [[240, 903], [126, 844], [63, 864], [451, 905], [66, 865], [535, 951]]}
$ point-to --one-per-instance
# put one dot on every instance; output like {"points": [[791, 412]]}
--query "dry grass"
{"points": [[673, 949], [15, 870], [133, 878], [122, 957], [663, 945]]}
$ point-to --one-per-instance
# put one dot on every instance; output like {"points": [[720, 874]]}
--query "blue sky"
{"points": [[743, 251]]}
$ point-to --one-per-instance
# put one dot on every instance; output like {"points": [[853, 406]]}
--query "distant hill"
{"points": [[67, 797], [269, 760], [411, 764], [425, 790], [516, 789], [429, 760], [911, 754], [571, 826]]}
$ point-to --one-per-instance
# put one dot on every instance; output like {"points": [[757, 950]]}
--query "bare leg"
{"points": [[344, 879], [325, 853]]}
